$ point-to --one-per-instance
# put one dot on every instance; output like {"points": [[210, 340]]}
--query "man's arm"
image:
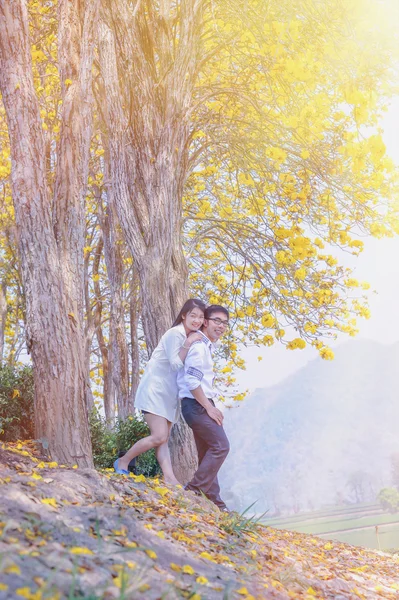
{"points": [[194, 375], [212, 411]]}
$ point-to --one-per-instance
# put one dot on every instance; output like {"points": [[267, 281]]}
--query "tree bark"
{"points": [[53, 304]]}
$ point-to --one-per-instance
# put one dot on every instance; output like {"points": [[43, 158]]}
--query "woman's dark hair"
{"points": [[188, 307], [213, 308]]}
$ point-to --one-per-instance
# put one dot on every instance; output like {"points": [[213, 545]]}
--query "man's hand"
{"points": [[215, 414]]}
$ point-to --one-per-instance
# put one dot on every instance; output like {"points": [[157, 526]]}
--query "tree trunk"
{"points": [[134, 342], [77, 27], [88, 335], [108, 386], [54, 332], [3, 317], [119, 356], [148, 155]]}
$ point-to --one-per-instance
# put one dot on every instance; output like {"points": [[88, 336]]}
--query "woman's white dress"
{"points": [[157, 391]]}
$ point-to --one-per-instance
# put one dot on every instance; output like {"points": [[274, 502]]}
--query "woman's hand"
{"points": [[193, 337]]}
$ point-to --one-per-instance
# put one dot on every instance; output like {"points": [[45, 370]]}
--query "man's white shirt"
{"points": [[198, 370]]}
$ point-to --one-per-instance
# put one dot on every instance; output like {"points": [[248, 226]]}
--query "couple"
{"points": [[181, 367]]}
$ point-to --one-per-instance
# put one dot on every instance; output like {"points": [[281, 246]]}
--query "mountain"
{"points": [[322, 436]]}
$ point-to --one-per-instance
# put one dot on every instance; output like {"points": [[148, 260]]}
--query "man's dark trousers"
{"points": [[212, 447]]}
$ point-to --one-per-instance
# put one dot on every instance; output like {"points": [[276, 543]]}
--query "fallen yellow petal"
{"points": [[188, 570], [80, 550], [207, 556], [50, 501], [12, 569], [162, 491], [161, 534]]}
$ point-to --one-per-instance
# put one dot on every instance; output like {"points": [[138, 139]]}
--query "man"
{"points": [[195, 383]]}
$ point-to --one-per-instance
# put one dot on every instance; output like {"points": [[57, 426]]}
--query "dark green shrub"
{"points": [[17, 423], [107, 443], [103, 441], [16, 403]]}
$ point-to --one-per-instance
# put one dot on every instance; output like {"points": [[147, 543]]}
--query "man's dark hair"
{"points": [[214, 308]]}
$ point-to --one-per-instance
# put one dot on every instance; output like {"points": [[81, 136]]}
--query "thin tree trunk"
{"points": [[53, 304], [119, 356], [108, 387], [14, 342], [3, 317], [134, 342], [88, 334]]}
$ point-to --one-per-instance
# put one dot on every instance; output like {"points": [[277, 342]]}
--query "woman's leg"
{"points": [[159, 428], [163, 457]]}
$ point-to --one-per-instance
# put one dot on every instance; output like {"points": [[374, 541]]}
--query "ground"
{"points": [[71, 534]]}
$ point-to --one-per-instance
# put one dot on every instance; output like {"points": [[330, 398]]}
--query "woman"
{"points": [[156, 395]]}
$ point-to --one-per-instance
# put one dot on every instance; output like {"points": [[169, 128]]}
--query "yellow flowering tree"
{"points": [[288, 163], [240, 140]]}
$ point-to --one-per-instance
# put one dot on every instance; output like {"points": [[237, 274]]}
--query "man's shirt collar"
{"points": [[208, 342]]}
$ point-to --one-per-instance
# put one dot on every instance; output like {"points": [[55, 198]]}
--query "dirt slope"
{"points": [[70, 533]]}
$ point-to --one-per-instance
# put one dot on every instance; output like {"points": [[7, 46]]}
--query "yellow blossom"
{"points": [[296, 343], [267, 320]]}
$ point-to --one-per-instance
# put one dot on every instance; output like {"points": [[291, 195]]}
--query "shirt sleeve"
{"points": [[172, 343], [194, 365]]}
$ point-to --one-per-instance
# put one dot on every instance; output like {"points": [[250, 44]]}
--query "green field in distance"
{"points": [[361, 525]]}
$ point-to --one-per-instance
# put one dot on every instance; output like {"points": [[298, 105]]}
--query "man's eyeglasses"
{"points": [[219, 321]]}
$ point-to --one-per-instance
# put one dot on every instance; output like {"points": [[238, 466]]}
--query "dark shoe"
{"points": [[196, 491]]}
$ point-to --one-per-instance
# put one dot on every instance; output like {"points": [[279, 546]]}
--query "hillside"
{"points": [[322, 436], [69, 534]]}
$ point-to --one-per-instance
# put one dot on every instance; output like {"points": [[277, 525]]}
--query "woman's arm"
{"points": [[176, 347], [188, 342]]}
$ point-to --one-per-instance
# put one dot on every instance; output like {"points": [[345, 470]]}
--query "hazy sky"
{"points": [[378, 264]]}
